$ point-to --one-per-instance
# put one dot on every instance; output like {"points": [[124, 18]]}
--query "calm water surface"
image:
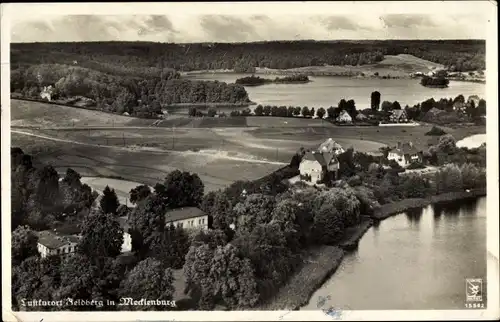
{"points": [[416, 260], [326, 91]]}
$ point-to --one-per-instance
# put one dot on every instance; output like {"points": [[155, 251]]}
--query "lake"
{"points": [[415, 260], [326, 91], [473, 141]]}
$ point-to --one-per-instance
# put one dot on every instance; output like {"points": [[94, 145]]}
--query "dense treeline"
{"points": [[457, 55], [434, 81], [256, 80], [121, 91]]}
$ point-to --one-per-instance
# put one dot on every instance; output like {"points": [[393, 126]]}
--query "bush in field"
{"points": [[449, 179]]}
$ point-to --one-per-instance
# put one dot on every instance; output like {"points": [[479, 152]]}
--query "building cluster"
{"points": [[322, 164], [53, 242]]}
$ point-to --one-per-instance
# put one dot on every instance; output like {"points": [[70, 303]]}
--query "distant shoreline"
{"points": [[323, 71]]}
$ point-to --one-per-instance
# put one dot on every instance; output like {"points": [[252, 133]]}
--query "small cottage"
{"points": [[405, 154], [398, 116], [344, 117]]}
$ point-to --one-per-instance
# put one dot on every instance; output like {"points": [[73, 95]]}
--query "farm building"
{"points": [[187, 217], [54, 243], [398, 116], [344, 117], [323, 163], [405, 154]]}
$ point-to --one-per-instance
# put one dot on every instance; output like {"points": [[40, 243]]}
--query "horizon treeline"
{"points": [[456, 55]]}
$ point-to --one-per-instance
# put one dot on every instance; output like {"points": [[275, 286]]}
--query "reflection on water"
{"points": [[417, 260]]}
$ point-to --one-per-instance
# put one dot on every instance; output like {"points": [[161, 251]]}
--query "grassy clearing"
{"points": [[319, 265], [284, 122], [25, 113]]}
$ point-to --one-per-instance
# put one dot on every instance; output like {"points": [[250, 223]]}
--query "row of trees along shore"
{"points": [[276, 224], [141, 94], [455, 55], [378, 110]]}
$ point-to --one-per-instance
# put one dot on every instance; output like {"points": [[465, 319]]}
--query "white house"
{"points": [[405, 154], [127, 239], [187, 217], [54, 243], [475, 99], [47, 92], [316, 165], [344, 117]]}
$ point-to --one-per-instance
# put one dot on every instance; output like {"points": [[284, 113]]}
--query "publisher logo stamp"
{"points": [[473, 290]]}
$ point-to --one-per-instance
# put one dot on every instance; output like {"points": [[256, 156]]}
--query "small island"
{"points": [[256, 80], [438, 82]]}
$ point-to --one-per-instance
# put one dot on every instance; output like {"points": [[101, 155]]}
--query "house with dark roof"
{"points": [[322, 163], [405, 154], [55, 243], [398, 116], [187, 217]]}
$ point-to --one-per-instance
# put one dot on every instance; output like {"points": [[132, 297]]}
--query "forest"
{"points": [[456, 55], [137, 91]]}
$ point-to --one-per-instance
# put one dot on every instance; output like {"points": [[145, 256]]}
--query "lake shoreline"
{"points": [[322, 272]]}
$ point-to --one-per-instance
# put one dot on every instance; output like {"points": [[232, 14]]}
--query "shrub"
{"points": [[436, 131], [415, 165]]}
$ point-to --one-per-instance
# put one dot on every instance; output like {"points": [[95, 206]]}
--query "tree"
{"points": [[146, 220], [192, 111], [221, 211], [387, 106], [396, 105], [139, 193], [24, 244], [448, 179], [305, 111], [267, 110], [148, 280], [375, 100], [182, 189], [321, 112], [312, 112], [328, 226], [102, 236], [447, 144], [350, 107], [211, 112], [296, 111], [109, 201], [331, 112], [255, 209], [170, 247], [259, 110]]}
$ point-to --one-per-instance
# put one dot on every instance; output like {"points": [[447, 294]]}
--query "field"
{"points": [[221, 150]]}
